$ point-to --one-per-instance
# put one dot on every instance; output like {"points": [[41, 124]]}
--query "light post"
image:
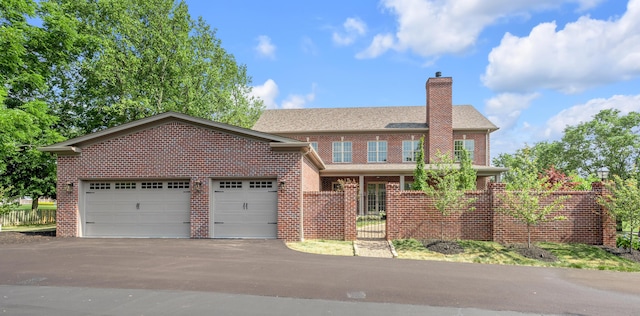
{"points": [[603, 174]]}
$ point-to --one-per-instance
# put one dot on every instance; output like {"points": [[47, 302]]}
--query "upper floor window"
{"points": [[377, 151], [315, 146], [459, 145], [410, 150], [341, 151]]}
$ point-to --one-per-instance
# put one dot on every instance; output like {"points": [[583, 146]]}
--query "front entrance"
{"points": [[372, 224]]}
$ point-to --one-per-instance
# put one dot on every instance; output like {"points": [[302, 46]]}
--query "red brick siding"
{"points": [[324, 215], [310, 176], [184, 151], [439, 117], [359, 145], [480, 145]]}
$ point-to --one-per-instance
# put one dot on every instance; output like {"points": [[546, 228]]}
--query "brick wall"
{"points": [[324, 215], [182, 151], [410, 214]]}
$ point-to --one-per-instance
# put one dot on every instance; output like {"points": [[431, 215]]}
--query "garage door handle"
{"points": [[218, 222], [90, 222], [137, 206], [272, 223], [186, 222]]}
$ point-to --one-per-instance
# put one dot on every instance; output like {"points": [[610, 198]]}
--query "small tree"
{"points": [[419, 174], [524, 198], [445, 188], [467, 175], [623, 202]]}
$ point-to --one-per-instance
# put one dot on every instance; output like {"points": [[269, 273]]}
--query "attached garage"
{"points": [[178, 176], [245, 209], [149, 208]]}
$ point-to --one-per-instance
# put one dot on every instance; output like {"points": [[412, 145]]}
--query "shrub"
{"points": [[624, 242]]}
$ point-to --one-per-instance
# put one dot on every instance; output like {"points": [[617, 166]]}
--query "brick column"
{"points": [[608, 220], [350, 211], [498, 229], [392, 210]]}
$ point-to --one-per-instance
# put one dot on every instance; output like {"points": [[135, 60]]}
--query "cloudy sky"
{"points": [[531, 66]]}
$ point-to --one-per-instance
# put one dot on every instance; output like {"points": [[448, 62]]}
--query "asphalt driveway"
{"points": [[267, 268]]}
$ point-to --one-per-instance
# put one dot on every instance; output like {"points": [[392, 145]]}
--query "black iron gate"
{"points": [[371, 222]]}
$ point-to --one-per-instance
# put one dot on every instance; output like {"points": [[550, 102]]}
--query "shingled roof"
{"points": [[465, 117]]}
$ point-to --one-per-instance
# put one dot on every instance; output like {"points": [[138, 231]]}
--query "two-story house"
{"points": [[376, 145], [174, 175]]}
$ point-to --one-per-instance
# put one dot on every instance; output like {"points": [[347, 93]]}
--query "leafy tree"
{"points": [[144, 57], [467, 175], [610, 140], [445, 188], [623, 202], [419, 174], [525, 196], [28, 56]]}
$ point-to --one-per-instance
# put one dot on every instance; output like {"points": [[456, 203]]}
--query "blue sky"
{"points": [[531, 66]]}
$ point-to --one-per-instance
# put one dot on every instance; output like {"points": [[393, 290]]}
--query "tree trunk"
{"points": [[528, 236], [34, 203]]}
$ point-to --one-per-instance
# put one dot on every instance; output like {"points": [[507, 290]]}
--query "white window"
{"points": [[315, 146], [410, 150], [377, 151], [461, 144], [341, 151]]}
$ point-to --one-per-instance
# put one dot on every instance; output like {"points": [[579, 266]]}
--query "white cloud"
{"points": [[297, 101], [267, 92], [585, 112], [265, 48], [584, 54], [353, 28], [308, 46], [504, 109], [435, 27]]}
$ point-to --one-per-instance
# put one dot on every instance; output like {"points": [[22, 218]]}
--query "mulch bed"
{"points": [[446, 247], [633, 255], [25, 237], [534, 253]]}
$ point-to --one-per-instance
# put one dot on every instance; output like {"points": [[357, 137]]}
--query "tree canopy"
{"points": [[609, 141], [71, 67], [144, 57]]}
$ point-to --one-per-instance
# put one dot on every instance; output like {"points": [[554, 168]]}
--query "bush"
{"points": [[624, 242]]}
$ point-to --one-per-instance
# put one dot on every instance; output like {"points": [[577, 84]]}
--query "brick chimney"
{"points": [[439, 117]]}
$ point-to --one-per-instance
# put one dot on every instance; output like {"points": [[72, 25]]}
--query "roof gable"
{"points": [[72, 145]]}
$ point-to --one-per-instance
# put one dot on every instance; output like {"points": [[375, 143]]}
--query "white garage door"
{"points": [[157, 209], [245, 209]]}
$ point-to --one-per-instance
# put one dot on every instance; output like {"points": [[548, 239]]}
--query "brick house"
{"points": [[173, 175], [377, 145]]}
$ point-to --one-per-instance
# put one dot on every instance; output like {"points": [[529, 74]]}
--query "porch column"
{"points": [[401, 183]]}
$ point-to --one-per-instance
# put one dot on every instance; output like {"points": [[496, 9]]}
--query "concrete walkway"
{"points": [[378, 248]]}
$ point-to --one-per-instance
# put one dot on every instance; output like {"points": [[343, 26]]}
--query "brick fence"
{"points": [[411, 214]]}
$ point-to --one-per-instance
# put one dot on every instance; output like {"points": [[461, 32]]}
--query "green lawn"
{"points": [[569, 255], [41, 206], [29, 228]]}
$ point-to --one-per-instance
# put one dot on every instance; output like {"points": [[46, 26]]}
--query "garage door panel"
{"points": [[245, 230], [246, 210], [137, 209]]}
